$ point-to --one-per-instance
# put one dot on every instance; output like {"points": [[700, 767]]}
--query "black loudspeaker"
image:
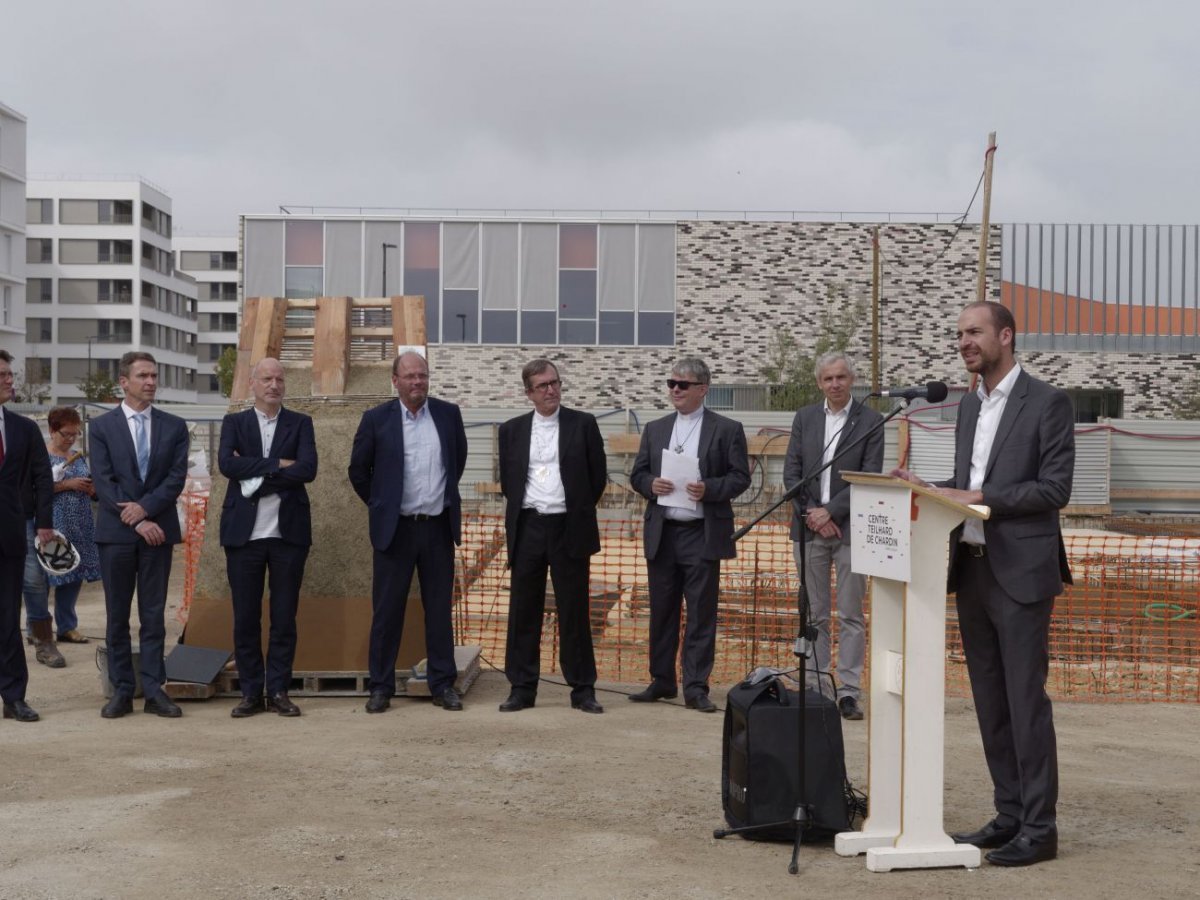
{"points": [[759, 761]]}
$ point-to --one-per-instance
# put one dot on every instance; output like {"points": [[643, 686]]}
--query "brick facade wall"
{"points": [[737, 283]]}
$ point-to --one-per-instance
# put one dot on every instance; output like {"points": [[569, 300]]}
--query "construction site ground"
{"points": [[545, 803]]}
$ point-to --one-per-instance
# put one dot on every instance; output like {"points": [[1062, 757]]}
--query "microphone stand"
{"points": [[802, 818]]}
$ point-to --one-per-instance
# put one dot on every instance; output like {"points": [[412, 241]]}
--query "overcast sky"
{"points": [[242, 106]]}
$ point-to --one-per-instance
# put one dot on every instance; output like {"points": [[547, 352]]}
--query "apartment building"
{"points": [[12, 232], [100, 281], [213, 261]]}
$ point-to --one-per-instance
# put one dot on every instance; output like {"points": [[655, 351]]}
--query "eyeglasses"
{"points": [[69, 435], [546, 385], [674, 383]]}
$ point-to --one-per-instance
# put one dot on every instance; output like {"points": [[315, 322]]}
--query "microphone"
{"points": [[933, 391]]}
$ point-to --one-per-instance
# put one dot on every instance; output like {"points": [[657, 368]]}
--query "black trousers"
{"points": [[541, 545], [426, 546], [14, 671], [679, 573], [281, 565], [126, 569], [1007, 648]]}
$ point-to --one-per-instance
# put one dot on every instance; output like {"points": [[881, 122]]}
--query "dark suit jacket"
{"points": [[805, 451], [25, 463], [240, 456], [724, 469], [581, 463], [377, 465], [1028, 480], [116, 479]]}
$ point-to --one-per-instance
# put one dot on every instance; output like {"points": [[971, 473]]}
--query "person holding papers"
{"points": [[689, 467]]}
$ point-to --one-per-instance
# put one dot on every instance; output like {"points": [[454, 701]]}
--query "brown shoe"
{"points": [[73, 637], [46, 653]]}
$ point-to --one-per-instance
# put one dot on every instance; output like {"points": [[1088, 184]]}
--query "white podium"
{"points": [[899, 533]]}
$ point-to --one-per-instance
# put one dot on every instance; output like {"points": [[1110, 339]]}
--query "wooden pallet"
{"points": [[355, 684]]}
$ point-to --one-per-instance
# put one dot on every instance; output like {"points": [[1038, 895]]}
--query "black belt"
{"points": [[685, 523], [979, 551], [530, 511], [422, 517]]}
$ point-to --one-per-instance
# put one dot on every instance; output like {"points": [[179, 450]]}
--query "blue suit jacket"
{"points": [[240, 456], [377, 465], [116, 479], [25, 460]]}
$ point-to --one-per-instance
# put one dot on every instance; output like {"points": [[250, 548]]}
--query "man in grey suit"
{"points": [[684, 546], [1014, 451], [821, 519]]}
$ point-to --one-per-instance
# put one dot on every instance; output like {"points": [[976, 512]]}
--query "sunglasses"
{"points": [[674, 383]]}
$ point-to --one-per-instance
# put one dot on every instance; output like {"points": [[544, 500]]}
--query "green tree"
{"points": [[99, 387], [225, 367], [789, 367], [26, 391]]}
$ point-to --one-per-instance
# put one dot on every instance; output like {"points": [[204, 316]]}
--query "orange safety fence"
{"points": [[1129, 628], [194, 510]]}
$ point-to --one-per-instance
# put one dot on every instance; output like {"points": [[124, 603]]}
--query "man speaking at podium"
{"points": [[1014, 451]]}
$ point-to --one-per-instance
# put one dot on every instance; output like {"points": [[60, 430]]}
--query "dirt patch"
{"points": [[546, 803]]}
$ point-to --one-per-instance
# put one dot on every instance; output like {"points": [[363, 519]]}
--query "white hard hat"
{"points": [[57, 556]]}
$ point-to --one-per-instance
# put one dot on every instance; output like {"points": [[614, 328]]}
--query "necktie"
{"points": [[1, 448], [141, 444]]}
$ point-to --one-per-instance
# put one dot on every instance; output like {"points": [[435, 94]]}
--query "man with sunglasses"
{"points": [[552, 473], [684, 544]]}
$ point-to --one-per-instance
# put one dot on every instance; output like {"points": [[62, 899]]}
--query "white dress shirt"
{"points": [[544, 489], [686, 434], [990, 411], [130, 413], [834, 423], [266, 518]]}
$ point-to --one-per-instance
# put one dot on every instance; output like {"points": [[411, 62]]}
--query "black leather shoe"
{"points": [[164, 706], [850, 709], [588, 705], [249, 706], [1024, 850], [449, 699], [516, 703], [701, 702], [21, 711], [117, 706], [990, 835], [282, 704], [654, 692], [378, 702]]}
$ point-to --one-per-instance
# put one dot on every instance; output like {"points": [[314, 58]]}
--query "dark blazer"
{"points": [[806, 449], [25, 462], [240, 456], [116, 479], [377, 465], [724, 469], [1028, 480], [581, 463]]}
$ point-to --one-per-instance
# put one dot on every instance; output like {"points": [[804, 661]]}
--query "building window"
{"points": [[38, 290], [39, 211], [1094, 404], [38, 331], [6, 305], [39, 250]]}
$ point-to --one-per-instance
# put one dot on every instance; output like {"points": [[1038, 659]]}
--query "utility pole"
{"points": [[981, 285], [875, 361]]}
